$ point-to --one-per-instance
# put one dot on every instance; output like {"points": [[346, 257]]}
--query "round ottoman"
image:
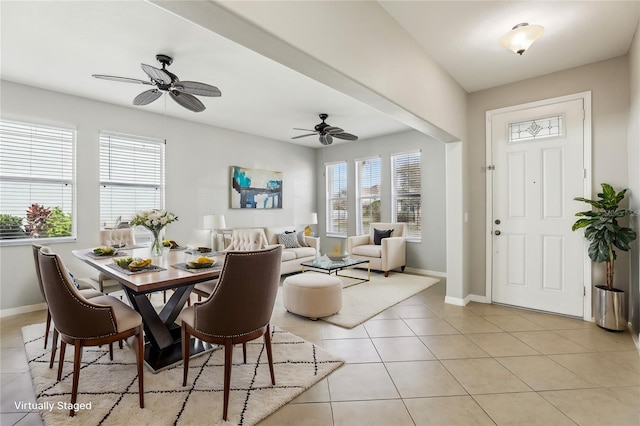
{"points": [[312, 295]]}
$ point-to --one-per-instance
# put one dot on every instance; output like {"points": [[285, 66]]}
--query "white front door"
{"points": [[537, 161]]}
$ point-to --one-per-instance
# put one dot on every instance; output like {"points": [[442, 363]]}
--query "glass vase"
{"points": [[157, 248]]}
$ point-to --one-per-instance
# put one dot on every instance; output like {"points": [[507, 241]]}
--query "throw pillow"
{"points": [[301, 240], [288, 240], [378, 235], [73, 279]]}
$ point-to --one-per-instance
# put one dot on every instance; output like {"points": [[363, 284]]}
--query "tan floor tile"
{"points": [[310, 334], [431, 326], [513, 323], [454, 346], [330, 331], [417, 379], [593, 368], [31, 419], [353, 382], [501, 344], [11, 418], [371, 413], [593, 407], [627, 359], [484, 375], [597, 339], [14, 360], [21, 390], [386, 314], [473, 325], [448, 410], [414, 311], [542, 373], [446, 310], [548, 342], [300, 415], [521, 409], [556, 322], [402, 349], [316, 393], [485, 309], [387, 328], [352, 350], [628, 395]]}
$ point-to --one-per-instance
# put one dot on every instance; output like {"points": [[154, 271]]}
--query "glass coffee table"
{"points": [[336, 266]]}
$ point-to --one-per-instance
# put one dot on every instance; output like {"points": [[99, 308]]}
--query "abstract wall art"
{"points": [[255, 188]]}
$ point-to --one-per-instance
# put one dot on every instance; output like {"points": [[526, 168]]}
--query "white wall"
{"points": [[429, 255], [198, 160], [609, 83]]}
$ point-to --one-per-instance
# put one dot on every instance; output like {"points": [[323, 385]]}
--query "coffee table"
{"points": [[337, 266]]}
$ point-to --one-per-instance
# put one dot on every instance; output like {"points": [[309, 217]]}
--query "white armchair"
{"points": [[390, 253]]}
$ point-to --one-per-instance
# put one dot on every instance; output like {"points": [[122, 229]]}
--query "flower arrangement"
{"points": [[155, 221]]}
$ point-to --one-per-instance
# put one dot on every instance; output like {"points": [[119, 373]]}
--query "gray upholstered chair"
{"points": [[109, 237], [81, 322], [383, 254], [238, 310]]}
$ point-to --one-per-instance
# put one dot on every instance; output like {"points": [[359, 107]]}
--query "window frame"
{"points": [[329, 199], [359, 164], [410, 236], [71, 141]]}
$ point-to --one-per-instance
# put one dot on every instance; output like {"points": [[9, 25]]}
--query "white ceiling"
{"points": [[59, 45]]}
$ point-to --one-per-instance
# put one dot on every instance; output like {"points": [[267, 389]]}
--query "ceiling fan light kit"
{"points": [[521, 37], [326, 132], [182, 92]]}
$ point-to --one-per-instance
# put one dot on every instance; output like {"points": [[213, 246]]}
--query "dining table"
{"points": [[166, 272]]}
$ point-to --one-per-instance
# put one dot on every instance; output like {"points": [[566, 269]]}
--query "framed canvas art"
{"points": [[255, 188]]}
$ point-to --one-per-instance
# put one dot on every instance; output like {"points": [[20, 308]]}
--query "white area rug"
{"points": [[363, 301], [111, 387]]}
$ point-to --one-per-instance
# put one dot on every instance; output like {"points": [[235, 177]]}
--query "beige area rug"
{"points": [[361, 302], [111, 387]]}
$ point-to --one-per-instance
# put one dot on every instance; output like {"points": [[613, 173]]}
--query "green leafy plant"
{"points": [[58, 223], [11, 227], [603, 229], [37, 216]]}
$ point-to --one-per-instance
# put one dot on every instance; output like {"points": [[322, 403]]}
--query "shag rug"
{"points": [[110, 388], [361, 302]]}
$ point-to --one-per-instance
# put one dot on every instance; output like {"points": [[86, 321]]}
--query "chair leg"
{"points": [[164, 296], [244, 352], [77, 357], [54, 347], [185, 354], [120, 345], [111, 351], [63, 347], [140, 346], [228, 361], [386, 273], [48, 328], [267, 345]]}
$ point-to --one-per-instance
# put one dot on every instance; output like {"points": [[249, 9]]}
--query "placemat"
{"points": [[215, 267], [150, 268]]}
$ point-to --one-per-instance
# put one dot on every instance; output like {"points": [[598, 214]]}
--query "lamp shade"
{"points": [[218, 221], [313, 219], [521, 37], [208, 222]]}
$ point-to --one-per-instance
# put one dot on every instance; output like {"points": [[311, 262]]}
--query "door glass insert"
{"points": [[535, 129]]}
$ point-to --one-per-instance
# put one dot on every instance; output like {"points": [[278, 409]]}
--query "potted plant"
{"points": [[605, 234]]}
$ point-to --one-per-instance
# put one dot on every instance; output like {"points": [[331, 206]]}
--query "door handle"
{"points": [[497, 232]]}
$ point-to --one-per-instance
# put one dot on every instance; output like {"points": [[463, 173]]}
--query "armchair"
{"points": [[110, 237], [390, 254]]}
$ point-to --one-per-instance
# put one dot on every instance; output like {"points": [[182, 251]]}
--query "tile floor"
{"points": [[423, 362]]}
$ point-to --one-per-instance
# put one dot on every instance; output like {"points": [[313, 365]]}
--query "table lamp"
{"points": [[313, 220]]}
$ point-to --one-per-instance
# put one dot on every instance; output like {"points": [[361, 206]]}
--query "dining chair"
{"points": [[86, 322], [85, 289], [110, 237], [238, 311]]}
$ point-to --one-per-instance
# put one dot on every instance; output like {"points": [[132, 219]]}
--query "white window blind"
{"points": [[36, 182], [367, 193], [406, 194], [131, 177], [337, 198]]}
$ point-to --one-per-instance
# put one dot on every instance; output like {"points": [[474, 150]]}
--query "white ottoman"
{"points": [[312, 295]]}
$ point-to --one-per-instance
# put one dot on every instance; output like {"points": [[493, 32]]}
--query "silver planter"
{"points": [[610, 308]]}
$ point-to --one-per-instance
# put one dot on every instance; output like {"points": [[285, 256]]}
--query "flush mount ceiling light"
{"points": [[521, 37]]}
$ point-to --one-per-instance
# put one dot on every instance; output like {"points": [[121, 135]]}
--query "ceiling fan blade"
{"points": [[122, 79], [188, 101], [196, 88], [156, 74], [326, 139], [345, 136], [306, 130], [330, 130], [304, 136], [147, 97]]}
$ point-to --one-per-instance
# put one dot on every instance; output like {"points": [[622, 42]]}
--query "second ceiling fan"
{"points": [[326, 132]]}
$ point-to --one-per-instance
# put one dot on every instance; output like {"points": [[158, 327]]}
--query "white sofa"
{"points": [[258, 238], [390, 254]]}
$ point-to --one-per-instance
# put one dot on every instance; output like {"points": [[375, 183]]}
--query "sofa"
{"points": [[383, 254], [306, 249]]}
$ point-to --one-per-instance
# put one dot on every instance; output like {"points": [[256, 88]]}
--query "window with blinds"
{"points": [[337, 198], [131, 177], [367, 193], [36, 182], [406, 192]]}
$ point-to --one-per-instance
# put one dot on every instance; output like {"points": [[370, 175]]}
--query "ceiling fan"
{"points": [[326, 132], [166, 82]]}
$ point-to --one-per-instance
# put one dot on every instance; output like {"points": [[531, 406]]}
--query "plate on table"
{"points": [[201, 262], [105, 251]]}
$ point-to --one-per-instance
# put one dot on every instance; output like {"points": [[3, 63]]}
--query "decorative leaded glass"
{"points": [[535, 129]]}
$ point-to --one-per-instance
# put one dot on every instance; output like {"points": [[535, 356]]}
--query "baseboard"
{"points": [[22, 309], [464, 302], [416, 271]]}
